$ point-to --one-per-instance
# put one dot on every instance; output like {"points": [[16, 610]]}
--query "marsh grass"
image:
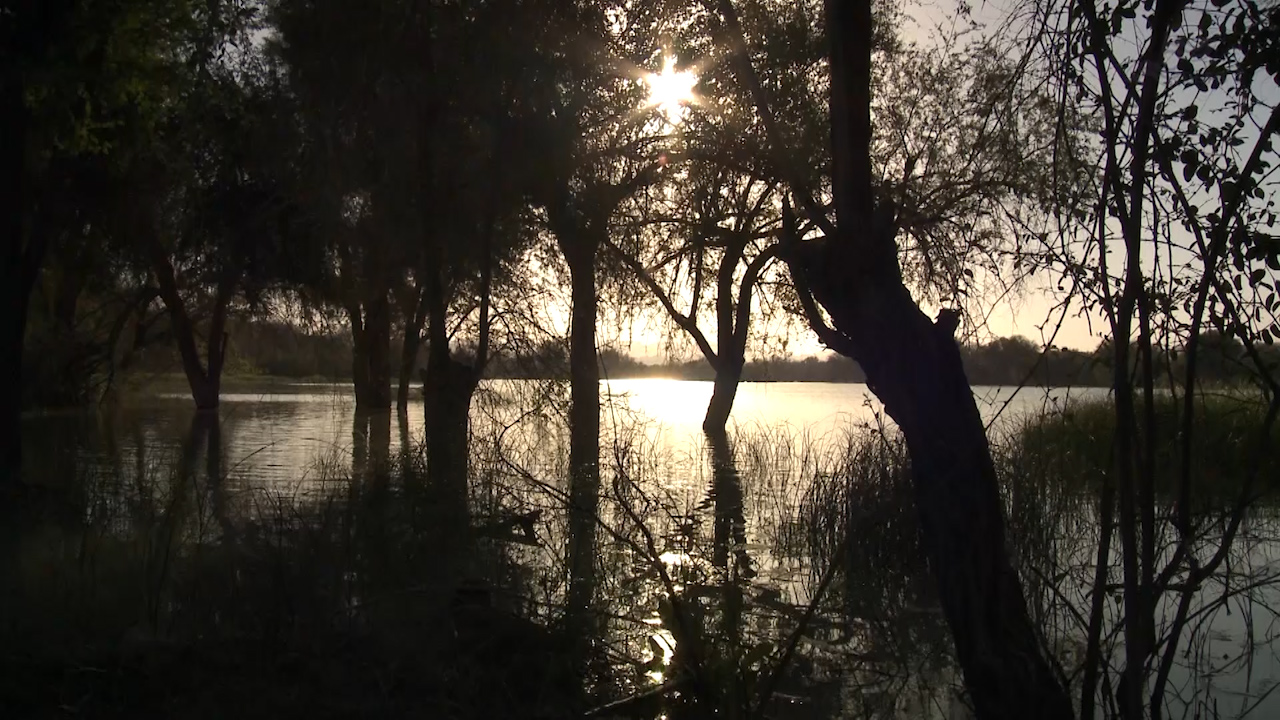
{"points": [[1072, 446], [779, 573], [365, 601]]}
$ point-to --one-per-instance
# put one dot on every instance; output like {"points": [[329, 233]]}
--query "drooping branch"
{"points": [[685, 322], [746, 72]]}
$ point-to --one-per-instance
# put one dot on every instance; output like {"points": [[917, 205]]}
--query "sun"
{"points": [[670, 91]]}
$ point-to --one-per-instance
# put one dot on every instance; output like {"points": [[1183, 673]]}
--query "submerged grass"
{"points": [[1073, 446], [368, 602], [161, 591]]}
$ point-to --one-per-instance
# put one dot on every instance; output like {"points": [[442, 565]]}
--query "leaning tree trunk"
{"points": [[723, 393], [203, 378], [733, 321], [913, 365]]}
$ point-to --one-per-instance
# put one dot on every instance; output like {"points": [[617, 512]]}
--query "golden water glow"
{"points": [[671, 90]]}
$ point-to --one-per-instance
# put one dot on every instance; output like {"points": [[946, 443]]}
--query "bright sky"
{"points": [[1037, 312]]}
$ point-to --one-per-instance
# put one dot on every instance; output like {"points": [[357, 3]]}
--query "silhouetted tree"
{"points": [[914, 366]]}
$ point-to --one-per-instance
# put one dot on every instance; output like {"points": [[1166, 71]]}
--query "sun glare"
{"points": [[671, 90]]}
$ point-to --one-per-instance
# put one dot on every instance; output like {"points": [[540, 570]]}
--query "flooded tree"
{"points": [[64, 110], [493, 183], [1185, 145], [913, 365]]}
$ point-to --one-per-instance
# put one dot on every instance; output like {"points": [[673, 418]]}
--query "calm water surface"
{"points": [[300, 431], [740, 515]]}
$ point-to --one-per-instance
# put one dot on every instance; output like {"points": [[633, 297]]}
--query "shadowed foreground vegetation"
{"points": [[779, 577]]}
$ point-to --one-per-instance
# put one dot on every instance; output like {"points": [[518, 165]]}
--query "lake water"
{"points": [[292, 433], [754, 521]]}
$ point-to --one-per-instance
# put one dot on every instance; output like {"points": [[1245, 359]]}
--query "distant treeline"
{"points": [[1005, 361], [283, 350]]}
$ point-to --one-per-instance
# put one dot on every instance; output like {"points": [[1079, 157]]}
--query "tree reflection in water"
{"points": [[376, 591]]}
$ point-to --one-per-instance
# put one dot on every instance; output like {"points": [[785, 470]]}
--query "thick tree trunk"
{"points": [[379, 426], [723, 392], [914, 367], [448, 386], [359, 353], [584, 427], [371, 353], [371, 447], [410, 345], [377, 335]]}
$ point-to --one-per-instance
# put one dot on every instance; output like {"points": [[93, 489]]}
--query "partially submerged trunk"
{"points": [[359, 347], [584, 425], [913, 365], [377, 354], [723, 393], [204, 376], [733, 322], [371, 445], [410, 345], [447, 387], [371, 353]]}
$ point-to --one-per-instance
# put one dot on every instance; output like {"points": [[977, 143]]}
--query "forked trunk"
{"points": [[412, 342], [359, 353], [371, 353], [448, 386], [204, 377]]}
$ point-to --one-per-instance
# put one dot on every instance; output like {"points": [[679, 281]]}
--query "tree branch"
{"points": [[686, 323]]}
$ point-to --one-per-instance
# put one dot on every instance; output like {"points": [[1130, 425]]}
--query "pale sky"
{"points": [[1036, 312]]}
